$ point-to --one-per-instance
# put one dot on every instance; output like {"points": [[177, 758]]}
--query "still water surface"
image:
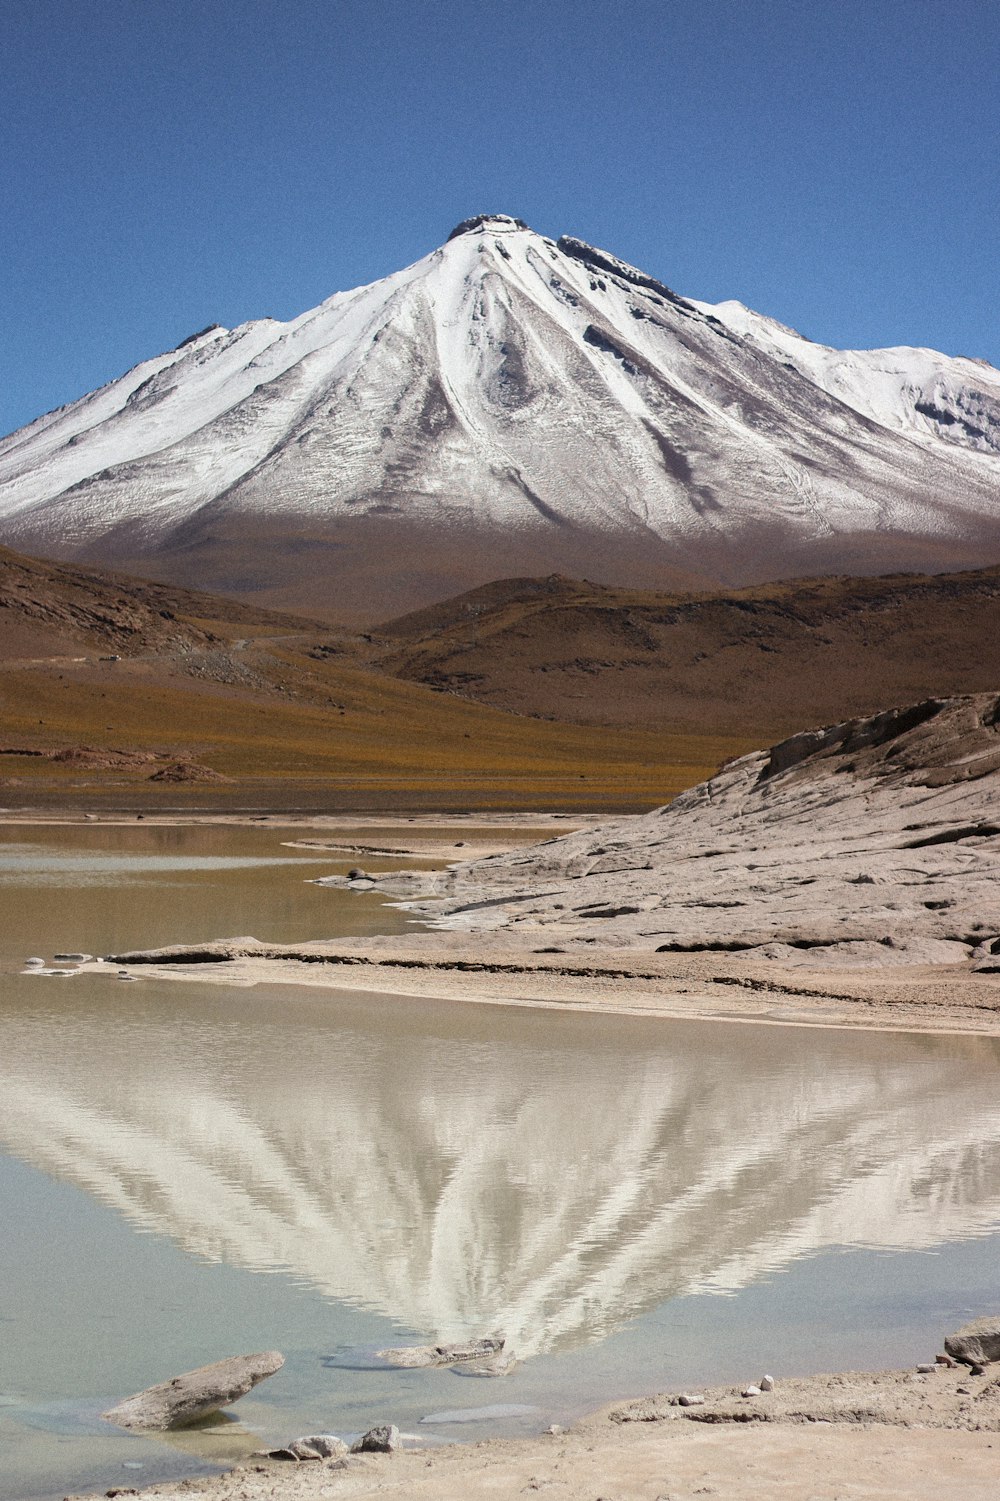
{"points": [[193, 1170]]}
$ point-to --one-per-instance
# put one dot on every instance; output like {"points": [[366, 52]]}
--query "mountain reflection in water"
{"points": [[464, 1169]]}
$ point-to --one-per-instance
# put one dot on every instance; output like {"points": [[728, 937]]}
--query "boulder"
{"points": [[381, 1440], [185, 1399], [976, 1343]]}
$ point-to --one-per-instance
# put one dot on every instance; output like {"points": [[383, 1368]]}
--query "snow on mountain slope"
{"points": [[512, 405], [917, 391]]}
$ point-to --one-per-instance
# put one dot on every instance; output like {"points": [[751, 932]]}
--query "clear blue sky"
{"points": [[168, 165]]}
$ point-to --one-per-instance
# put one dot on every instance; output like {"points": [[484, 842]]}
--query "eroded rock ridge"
{"points": [[875, 841]]}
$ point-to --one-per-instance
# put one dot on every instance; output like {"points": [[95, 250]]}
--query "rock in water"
{"points": [[976, 1343], [429, 1355], [185, 1399]]}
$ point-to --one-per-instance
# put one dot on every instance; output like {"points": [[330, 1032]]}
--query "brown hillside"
{"points": [[118, 693], [46, 608], [761, 662]]}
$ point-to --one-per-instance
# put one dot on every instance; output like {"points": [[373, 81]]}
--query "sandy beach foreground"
{"points": [[888, 1436]]}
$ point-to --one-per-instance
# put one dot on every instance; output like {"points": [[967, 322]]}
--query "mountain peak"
{"points": [[501, 223]]}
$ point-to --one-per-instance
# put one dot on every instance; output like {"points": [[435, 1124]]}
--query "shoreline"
{"points": [[501, 969], [877, 1436], [452, 966]]}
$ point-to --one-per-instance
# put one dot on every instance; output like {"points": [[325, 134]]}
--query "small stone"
{"points": [[72, 958], [945, 1360], [767, 1383], [383, 1439], [34, 962], [555, 1429], [750, 1391], [927, 1368], [688, 1399], [965, 1391], [123, 974]]}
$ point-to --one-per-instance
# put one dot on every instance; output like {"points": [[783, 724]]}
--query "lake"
{"points": [[192, 1170]]}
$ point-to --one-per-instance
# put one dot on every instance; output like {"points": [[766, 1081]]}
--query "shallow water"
{"points": [[194, 1170]]}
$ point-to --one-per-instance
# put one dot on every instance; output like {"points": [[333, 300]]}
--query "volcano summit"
{"points": [[512, 405]]}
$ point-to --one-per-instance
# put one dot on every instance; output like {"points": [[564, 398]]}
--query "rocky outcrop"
{"points": [[873, 842], [187, 771], [185, 1399]]}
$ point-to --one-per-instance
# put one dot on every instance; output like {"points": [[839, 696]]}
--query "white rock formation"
{"points": [[873, 842]]}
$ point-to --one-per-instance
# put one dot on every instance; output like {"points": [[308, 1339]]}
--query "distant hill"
{"points": [[118, 693], [48, 608], [762, 661]]}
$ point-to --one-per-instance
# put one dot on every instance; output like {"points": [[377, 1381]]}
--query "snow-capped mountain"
{"points": [[510, 404]]}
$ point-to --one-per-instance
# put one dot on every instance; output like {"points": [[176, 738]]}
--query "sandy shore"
{"points": [[498, 970], [867, 1437]]}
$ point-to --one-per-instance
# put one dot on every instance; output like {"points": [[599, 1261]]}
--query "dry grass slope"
{"points": [[119, 679], [760, 662]]}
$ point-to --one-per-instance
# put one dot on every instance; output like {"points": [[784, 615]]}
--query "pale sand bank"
{"points": [[890, 1436], [497, 969]]}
